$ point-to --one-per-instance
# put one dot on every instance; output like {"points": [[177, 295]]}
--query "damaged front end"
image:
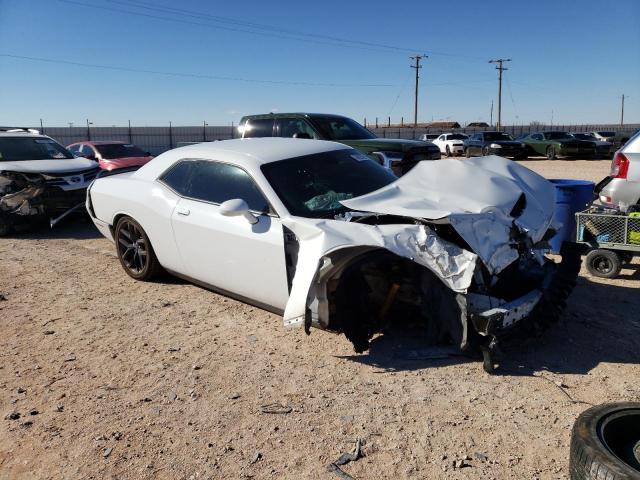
{"points": [[459, 247], [29, 199]]}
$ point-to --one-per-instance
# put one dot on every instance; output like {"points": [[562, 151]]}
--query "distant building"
{"points": [[479, 124]]}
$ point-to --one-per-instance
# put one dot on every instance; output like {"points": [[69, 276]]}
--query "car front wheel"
{"points": [[134, 249], [551, 152], [447, 151]]}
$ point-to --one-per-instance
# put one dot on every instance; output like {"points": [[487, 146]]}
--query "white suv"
{"points": [[39, 179]]}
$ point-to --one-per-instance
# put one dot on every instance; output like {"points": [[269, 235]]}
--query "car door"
{"points": [[440, 142], [537, 143], [475, 144], [228, 252]]}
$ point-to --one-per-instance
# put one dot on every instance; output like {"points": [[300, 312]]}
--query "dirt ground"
{"points": [[114, 378]]}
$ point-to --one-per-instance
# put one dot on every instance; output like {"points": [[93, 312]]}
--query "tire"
{"points": [[4, 229], [605, 443], [135, 251], [467, 153], [447, 151], [603, 263], [551, 153], [486, 152]]}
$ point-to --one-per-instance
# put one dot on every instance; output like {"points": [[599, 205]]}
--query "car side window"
{"points": [[75, 149], [536, 136], [87, 150], [441, 137], [291, 126], [214, 182], [259, 127]]}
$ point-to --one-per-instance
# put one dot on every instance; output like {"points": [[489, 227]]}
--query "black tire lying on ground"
{"points": [[605, 443]]}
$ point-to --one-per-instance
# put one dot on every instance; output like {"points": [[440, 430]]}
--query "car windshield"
{"points": [[313, 185], [119, 150], [14, 149], [607, 134], [556, 135], [497, 136], [341, 128], [583, 136], [457, 136]]}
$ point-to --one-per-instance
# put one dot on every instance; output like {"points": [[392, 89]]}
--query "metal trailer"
{"points": [[612, 239]]}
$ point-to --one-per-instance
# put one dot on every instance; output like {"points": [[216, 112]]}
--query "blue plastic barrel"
{"points": [[571, 196]]}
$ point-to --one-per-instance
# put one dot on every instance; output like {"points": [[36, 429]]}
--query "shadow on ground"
{"points": [[77, 228], [600, 324]]}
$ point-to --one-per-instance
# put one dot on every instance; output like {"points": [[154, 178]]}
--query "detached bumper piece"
{"points": [[491, 322]]}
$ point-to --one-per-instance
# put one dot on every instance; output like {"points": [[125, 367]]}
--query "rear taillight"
{"points": [[619, 166]]}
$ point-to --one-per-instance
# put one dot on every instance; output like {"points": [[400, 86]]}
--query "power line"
{"points": [[246, 27], [500, 69], [190, 75]]}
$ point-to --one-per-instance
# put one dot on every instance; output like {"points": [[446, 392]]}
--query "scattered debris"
{"points": [[196, 367], [70, 358], [21, 390], [51, 321], [106, 452], [60, 408], [3, 297], [33, 411], [173, 349], [256, 458], [234, 396], [13, 416], [481, 456], [344, 459], [48, 332], [276, 408], [172, 396], [26, 424]]}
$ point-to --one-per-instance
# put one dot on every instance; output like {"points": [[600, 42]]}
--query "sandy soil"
{"points": [[114, 378]]}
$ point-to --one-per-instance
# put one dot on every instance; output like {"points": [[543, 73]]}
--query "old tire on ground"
{"points": [[551, 152], [134, 250], [603, 263], [605, 443]]}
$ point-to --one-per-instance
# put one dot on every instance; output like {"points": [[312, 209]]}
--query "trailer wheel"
{"points": [[603, 263]]}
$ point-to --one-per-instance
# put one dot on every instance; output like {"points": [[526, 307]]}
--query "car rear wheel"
{"points": [[134, 249], [467, 153], [447, 151], [605, 443], [603, 263], [486, 151], [551, 152]]}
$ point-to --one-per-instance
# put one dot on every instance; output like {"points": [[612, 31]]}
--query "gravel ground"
{"points": [[114, 378]]}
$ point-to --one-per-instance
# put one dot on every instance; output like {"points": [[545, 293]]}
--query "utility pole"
{"points": [[500, 69], [89, 129], [622, 112], [417, 66], [491, 116]]}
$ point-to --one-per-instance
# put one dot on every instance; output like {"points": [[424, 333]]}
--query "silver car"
{"points": [[621, 189]]}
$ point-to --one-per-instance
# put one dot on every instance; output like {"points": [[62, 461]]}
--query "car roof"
{"points": [[21, 133], [102, 142], [293, 114], [248, 153]]}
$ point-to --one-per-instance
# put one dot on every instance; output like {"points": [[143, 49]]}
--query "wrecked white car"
{"points": [[318, 232], [40, 180]]}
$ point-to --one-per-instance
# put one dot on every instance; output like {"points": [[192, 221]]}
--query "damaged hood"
{"points": [[479, 197], [61, 165]]}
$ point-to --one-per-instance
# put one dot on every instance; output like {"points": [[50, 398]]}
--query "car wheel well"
{"points": [[380, 291]]}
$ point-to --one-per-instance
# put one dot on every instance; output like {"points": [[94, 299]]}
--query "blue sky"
{"points": [[572, 59]]}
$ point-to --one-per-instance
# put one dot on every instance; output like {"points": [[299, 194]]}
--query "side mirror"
{"points": [[237, 207], [301, 135]]}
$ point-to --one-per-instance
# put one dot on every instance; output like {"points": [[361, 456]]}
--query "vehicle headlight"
{"points": [[523, 145], [495, 145]]}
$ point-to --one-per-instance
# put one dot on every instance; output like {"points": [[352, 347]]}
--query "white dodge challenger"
{"points": [[325, 236]]}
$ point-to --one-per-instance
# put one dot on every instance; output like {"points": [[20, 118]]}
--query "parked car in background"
{"points": [[319, 233], [494, 143], [617, 138], [451, 143], [621, 189], [429, 137], [554, 144], [603, 149], [111, 154], [39, 179], [398, 155]]}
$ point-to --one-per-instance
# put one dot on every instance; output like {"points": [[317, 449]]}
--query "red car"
{"points": [[111, 155]]}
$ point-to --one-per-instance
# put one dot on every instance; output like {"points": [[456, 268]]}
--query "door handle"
{"points": [[183, 211]]}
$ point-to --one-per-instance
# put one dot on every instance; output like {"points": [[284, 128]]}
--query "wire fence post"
{"points": [[130, 133], [170, 137]]}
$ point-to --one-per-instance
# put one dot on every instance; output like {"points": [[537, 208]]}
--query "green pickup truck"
{"points": [[396, 154]]}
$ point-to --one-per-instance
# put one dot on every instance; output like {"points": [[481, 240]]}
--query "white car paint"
{"points": [[247, 259], [456, 146]]}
